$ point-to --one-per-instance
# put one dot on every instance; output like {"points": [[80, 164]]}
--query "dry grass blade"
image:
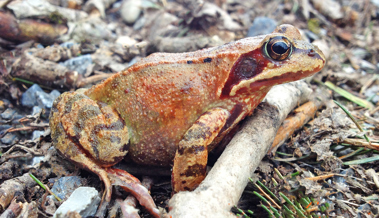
{"points": [[348, 95]]}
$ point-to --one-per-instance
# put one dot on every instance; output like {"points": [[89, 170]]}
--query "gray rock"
{"points": [[262, 26], [367, 65], [16, 118], [78, 64], [130, 10], [133, 61], [140, 23], [28, 98], [54, 94], [360, 53], [9, 138], [35, 96], [372, 93], [4, 127], [64, 186], [364, 207], [37, 160], [36, 110], [67, 44], [83, 200], [45, 100], [36, 134], [8, 114]]}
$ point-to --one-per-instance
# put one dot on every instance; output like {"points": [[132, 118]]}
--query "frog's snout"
{"points": [[313, 52]]}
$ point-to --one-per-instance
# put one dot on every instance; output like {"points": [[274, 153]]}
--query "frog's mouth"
{"points": [[284, 78]]}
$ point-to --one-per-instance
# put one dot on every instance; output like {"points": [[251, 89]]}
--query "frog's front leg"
{"points": [[192, 155], [92, 134]]}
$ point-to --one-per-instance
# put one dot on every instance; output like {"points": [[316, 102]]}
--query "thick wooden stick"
{"points": [[299, 118], [224, 184]]}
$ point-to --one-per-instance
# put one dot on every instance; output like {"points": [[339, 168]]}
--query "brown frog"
{"points": [[172, 109]]}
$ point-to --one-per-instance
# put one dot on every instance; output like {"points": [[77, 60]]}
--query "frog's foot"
{"points": [[131, 184], [191, 157]]}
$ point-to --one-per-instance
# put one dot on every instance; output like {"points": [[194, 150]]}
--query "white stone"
{"points": [[131, 10], [83, 200]]}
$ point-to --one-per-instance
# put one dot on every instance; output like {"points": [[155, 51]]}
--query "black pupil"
{"points": [[280, 47]]}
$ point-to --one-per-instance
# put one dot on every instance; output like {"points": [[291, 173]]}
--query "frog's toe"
{"points": [[131, 184]]}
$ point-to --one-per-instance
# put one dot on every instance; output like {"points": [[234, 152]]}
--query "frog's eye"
{"points": [[278, 48]]}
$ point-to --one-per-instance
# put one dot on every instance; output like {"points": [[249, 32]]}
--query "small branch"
{"points": [[10, 188], [92, 79], [299, 118], [361, 143]]}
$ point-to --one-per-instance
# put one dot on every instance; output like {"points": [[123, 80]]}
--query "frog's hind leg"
{"points": [[93, 126], [89, 133], [70, 150], [191, 157]]}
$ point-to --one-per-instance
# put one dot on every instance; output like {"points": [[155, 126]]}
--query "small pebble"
{"points": [[133, 61], [130, 10], [64, 186], [28, 98], [16, 118], [36, 134], [360, 53], [67, 44], [367, 65], [4, 127], [45, 100], [78, 64], [8, 114], [348, 69], [36, 110], [140, 23], [9, 138], [54, 94], [366, 207], [37, 160], [83, 200], [371, 92], [262, 26]]}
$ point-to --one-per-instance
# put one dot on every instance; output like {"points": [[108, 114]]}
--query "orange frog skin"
{"points": [[174, 108]]}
